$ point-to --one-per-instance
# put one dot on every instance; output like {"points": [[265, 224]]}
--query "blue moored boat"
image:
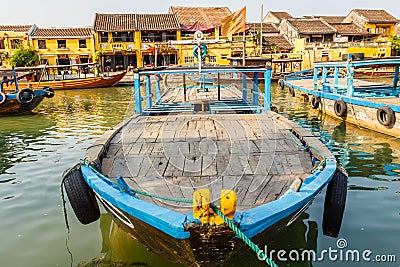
{"points": [[201, 164], [332, 88], [19, 101]]}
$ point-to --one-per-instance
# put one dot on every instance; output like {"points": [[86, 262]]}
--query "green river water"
{"points": [[36, 149]]}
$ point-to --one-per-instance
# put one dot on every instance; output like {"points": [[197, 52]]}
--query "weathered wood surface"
{"points": [[172, 156]]}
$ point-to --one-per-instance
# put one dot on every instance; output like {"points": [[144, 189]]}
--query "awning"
{"points": [[197, 27]]}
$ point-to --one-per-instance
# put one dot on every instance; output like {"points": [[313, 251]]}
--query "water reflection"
{"points": [[120, 249], [18, 134]]}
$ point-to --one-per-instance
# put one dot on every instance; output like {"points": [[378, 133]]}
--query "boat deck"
{"points": [[308, 83], [175, 155]]}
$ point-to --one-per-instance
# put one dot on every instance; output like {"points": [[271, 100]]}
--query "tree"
{"points": [[24, 57], [395, 44]]}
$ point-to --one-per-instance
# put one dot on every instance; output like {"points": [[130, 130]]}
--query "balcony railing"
{"points": [[322, 45]]}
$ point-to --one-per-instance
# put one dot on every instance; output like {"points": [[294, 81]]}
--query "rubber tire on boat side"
{"points": [[386, 116], [81, 196], [291, 91], [335, 202], [50, 92], [281, 84], [3, 97], [340, 108], [25, 96], [315, 101]]}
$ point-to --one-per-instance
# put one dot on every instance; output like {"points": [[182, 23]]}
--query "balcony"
{"points": [[327, 45]]}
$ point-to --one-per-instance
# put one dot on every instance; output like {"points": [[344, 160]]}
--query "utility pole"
{"points": [[261, 29]]}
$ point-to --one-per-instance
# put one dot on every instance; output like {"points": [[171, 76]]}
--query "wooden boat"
{"points": [[78, 76], [367, 104], [20, 101], [196, 168]]}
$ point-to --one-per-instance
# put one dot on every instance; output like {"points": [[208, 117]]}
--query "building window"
{"points": [[122, 37], [157, 36], [104, 37], [62, 44], [42, 44], [2, 46], [15, 43], [82, 43], [117, 37], [129, 37], [189, 59], [212, 59]]}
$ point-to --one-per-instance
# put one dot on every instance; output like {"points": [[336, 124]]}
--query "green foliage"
{"points": [[395, 44], [24, 57]]}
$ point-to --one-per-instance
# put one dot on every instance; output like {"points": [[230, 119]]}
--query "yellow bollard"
{"points": [[227, 206], [201, 205]]}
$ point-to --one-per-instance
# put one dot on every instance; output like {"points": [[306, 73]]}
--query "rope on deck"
{"points": [[306, 147], [260, 253]]}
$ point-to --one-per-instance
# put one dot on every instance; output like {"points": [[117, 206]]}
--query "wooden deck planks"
{"points": [[176, 155]]}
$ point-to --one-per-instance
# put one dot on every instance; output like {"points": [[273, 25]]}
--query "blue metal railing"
{"points": [[153, 89]]}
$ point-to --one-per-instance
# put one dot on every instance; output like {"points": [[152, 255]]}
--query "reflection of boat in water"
{"points": [[121, 250], [375, 153], [371, 105], [170, 163], [78, 76], [19, 101]]}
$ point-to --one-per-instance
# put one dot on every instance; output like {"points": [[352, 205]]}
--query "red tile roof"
{"points": [[114, 22], [281, 15], [311, 26], [279, 41], [15, 28], [350, 29], [84, 32], [157, 22], [205, 16], [376, 16], [266, 27], [329, 19]]}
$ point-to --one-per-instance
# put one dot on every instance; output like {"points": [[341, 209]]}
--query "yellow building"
{"points": [[116, 40], [11, 38], [208, 20], [136, 40], [64, 46], [378, 22]]}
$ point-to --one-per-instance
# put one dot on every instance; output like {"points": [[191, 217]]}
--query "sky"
{"points": [[75, 13]]}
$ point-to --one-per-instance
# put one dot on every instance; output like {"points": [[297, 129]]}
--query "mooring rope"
{"points": [[260, 253], [66, 218], [307, 147]]}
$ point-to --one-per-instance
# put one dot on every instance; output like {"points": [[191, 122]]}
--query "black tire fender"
{"points": [[81, 196], [315, 101], [340, 108], [335, 202], [25, 96], [291, 91], [281, 84], [386, 116], [3, 98], [49, 91]]}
